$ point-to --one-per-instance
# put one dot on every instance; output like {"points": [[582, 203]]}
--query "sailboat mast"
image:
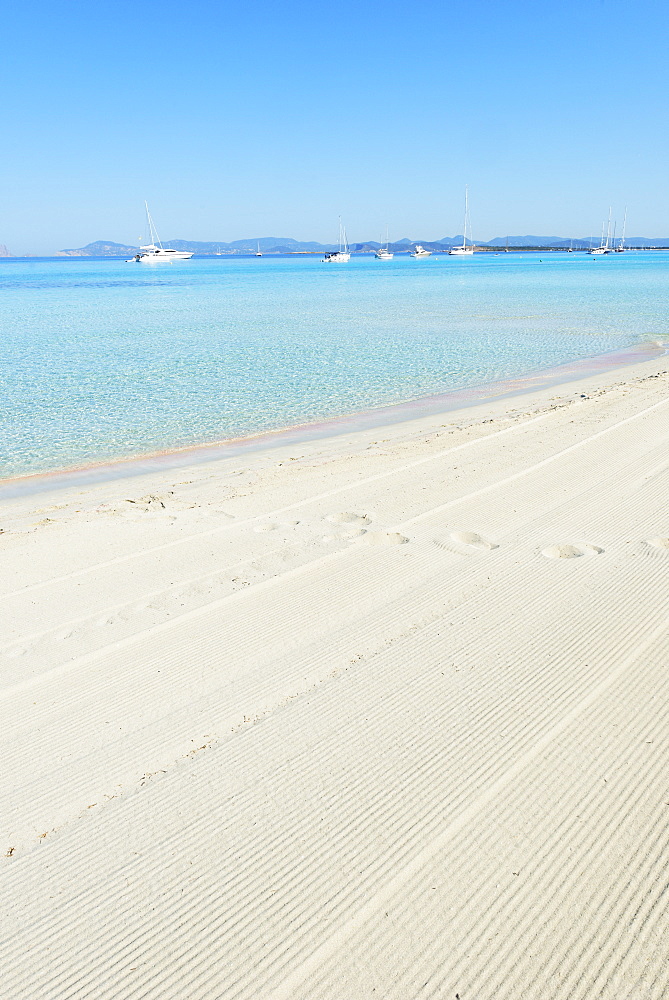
{"points": [[608, 230], [464, 227], [622, 241], [153, 235]]}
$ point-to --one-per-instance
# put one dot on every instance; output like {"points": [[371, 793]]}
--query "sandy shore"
{"points": [[377, 715]]}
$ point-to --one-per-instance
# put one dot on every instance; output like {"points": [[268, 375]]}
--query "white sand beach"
{"points": [[379, 715]]}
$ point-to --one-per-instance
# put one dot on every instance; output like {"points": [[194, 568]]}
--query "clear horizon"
{"points": [[268, 119]]}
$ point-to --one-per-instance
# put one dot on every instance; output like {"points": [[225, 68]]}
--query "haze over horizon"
{"points": [[278, 119]]}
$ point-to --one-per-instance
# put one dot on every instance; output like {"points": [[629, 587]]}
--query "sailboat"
{"points": [[154, 252], [342, 255], [621, 246], [604, 244], [383, 253], [464, 250], [258, 253]]}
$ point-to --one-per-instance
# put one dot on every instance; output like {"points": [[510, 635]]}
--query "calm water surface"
{"points": [[103, 359]]}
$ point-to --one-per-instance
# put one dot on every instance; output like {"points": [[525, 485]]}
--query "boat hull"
{"points": [[159, 257], [340, 257]]}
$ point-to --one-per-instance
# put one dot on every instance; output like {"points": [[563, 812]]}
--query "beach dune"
{"points": [[377, 715]]}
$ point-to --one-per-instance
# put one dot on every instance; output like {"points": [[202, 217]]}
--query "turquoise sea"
{"points": [[103, 359]]}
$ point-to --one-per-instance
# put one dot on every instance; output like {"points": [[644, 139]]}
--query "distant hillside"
{"points": [[4, 252], [102, 248], [268, 244], [576, 242], [285, 244]]}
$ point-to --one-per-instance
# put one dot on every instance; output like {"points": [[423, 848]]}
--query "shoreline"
{"points": [[126, 467], [313, 698]]}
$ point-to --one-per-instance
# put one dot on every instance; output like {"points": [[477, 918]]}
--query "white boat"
{"points": [[621, 246], [420, 251], [150, 254], [342, 255], [154, 252], [464, 250], [383, 253], [604, 243], [258, 252]]}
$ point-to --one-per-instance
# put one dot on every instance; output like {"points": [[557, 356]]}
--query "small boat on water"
{"points": [[150, 254], [342, 255], [154, 252], [621, 246], [420, 251], [464, 250], [604, 243], [383, 253], [258, 252]]}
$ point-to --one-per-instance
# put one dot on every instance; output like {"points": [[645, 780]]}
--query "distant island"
{"points": [[287, 245]]}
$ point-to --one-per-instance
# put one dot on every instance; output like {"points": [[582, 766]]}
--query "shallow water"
{"points": [[103, 359]]}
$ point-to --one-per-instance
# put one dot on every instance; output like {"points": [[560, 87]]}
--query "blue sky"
{"points": [[273, 118]]}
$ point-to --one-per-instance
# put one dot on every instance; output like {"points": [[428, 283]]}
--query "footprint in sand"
{"points": [[658, 543], [353, 533], [465, 542], [473, 540], [265, 526], [384, 538], [348, 517], [571, 551]]}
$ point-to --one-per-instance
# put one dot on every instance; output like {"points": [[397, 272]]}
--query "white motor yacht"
{"points": [[420, 251], [154, 252]]}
